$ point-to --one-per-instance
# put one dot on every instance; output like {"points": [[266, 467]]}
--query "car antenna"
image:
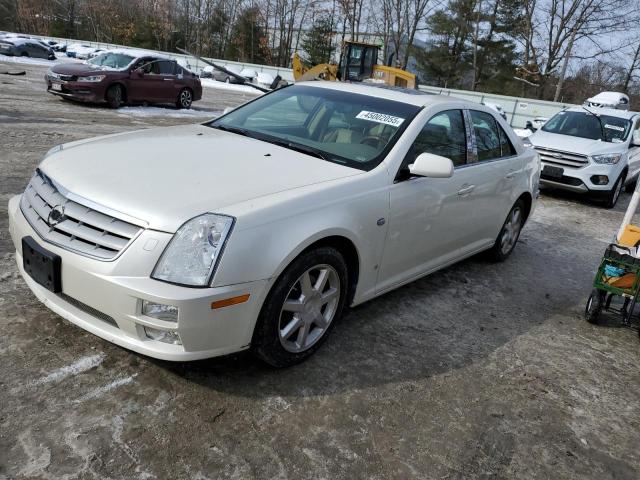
{"points": [[604, 135], [240, 78]]}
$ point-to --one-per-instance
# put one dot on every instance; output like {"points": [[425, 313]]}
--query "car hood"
{"points": [[567, 143], [79, 69], [166, 176]]}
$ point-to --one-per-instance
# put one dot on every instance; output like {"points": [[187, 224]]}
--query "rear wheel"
{"points": [[24, 54], [115, 95], [302, 308], [594, 306], [185, 99], [612, 196], [508, 236]]}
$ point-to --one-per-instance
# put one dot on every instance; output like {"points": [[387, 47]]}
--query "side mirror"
{"points": [[635, 139], [139, 72], [430, 165]]}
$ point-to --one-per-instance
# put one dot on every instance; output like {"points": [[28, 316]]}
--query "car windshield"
{"points": [[111, 60], [586, 125], [337, 126]]}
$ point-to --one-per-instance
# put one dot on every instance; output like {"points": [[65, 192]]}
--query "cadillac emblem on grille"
{"points": [[56, 215]]}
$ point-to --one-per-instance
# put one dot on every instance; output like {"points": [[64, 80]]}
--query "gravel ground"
{"points": [[479, 371]]}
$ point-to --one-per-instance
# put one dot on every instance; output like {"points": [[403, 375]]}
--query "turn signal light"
{"points": [[227, 302]]}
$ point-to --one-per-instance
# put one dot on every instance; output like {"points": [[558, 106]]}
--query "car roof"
{"points": [[135, 53], [415, 97], [612, 112]]}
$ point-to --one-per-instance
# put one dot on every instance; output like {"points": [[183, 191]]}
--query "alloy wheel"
{"points": [[309, 308], [185, 98], [511, 231]]}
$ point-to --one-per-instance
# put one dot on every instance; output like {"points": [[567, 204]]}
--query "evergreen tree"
{"points": [[250, 42], [318, 42]]}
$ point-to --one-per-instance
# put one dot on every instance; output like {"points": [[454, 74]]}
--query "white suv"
{"points": [[256, 229], [593, 151]]}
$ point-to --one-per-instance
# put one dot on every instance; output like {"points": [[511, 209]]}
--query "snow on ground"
{"points": [[522, 132], [37, 61], [167, 112], [210, 83]]}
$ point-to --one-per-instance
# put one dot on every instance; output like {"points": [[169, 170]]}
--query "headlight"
{"points": [[192, 254], [95, 78], [53, 150], [609, 158]]}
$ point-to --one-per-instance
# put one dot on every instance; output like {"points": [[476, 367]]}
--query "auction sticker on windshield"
{"points": [[380, 118], [614, 127]]}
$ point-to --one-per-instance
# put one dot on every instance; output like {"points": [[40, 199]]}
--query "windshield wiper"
{"points": [[604, 135], [237, 130], [298, 147]]}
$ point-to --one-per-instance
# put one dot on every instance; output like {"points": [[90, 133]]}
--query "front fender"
{"points": [[264, 251]]}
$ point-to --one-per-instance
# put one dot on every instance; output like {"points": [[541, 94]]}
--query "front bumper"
{"points": [[105, 298], [580, 180], [79, 91]]}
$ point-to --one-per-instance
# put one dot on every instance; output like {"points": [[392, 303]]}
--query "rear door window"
{"points": [[485, 129], [165, 67]]}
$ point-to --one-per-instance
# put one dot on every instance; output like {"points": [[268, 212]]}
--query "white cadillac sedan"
{"points": [[257, 229]]}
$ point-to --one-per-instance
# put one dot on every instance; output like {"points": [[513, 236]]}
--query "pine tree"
{"points": [[318, 42]]}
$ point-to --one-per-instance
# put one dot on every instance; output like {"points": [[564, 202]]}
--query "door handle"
{"points": [[466, 189], [167, 79], [510, 175]]}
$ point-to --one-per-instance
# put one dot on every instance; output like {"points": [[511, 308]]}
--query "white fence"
{"points": [[518, 110]]}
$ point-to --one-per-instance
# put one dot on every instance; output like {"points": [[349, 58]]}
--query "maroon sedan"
{"points": [[122, 77]]}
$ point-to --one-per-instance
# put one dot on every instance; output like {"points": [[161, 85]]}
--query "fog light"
{"points": [[599, 179], [168, 313], [165, 336]]}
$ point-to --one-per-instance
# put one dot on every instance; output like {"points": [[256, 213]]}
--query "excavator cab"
{"points": [[357, 61]]}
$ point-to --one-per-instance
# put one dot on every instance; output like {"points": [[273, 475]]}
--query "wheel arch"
{"points": [[527, 200]]}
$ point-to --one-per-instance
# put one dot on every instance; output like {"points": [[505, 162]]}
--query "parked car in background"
{"points": [[95, 53], [23, 47], [257, 229], [78, 50], [590, 151], [615, 100], [221, 76], [264, 79], [117, 77]]}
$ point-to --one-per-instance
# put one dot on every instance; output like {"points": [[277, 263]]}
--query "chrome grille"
{"points": [[77, 227], [562, 159]]}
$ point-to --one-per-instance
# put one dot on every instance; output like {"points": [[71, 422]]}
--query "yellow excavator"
{"points": [[358, 63]]}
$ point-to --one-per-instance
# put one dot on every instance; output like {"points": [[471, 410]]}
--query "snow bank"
{"points": [[167, 112], [210, 83]]}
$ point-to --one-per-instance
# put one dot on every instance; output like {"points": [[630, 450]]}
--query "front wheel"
{"points": [[612, 196], [114, 96], [508, 236], [594, 306], [185, 99], [302, 308]]}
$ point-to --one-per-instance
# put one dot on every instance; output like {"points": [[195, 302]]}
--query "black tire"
{"points": [[504, 245], [24, 54], [612, 196], [115, 96], [185, 99], [267, 343], [631, 186], [593, 309]]}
